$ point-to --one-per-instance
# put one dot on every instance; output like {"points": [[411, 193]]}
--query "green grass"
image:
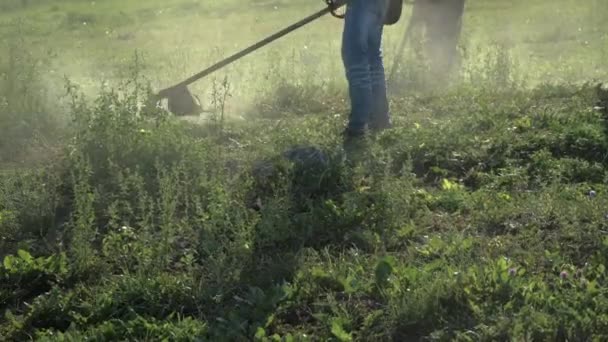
{"points": [[480, 217]]}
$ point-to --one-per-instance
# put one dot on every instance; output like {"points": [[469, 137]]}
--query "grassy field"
{"points": [[90, 41], [482, 216]]}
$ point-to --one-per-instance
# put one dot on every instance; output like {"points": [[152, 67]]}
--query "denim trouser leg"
{"points": [[362, 59], [380, 111]]}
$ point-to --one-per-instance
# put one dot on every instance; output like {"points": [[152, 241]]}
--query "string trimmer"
{"points": [[179, 99]]}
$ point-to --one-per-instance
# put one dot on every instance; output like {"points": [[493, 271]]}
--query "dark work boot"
{"points": [[354, 143], [349, 135], [380, 126]]}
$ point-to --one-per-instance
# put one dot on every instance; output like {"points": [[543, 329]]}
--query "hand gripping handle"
{"points": [[334, 5]]}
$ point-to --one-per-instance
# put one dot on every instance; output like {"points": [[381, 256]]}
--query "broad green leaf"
{"points": [[338, 331], [8, 262], [27, 257], [260, 333]]}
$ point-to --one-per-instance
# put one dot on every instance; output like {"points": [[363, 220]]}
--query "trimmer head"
{"points": [[180, 101]]}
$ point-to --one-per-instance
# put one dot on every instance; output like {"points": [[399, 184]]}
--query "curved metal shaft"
{"points": [[329, 9]]}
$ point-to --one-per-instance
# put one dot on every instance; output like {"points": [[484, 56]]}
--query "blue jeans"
{"points": [[362, 57]]}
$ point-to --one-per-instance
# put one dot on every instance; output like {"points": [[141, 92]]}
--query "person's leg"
{"points": [[380, 118], [455, 12], [355, 46], [443, 33]]}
